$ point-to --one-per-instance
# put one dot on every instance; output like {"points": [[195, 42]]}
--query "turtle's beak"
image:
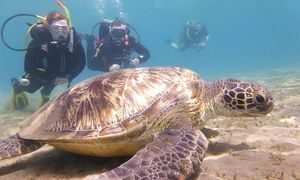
{"points": [[261, 108], [265, 108], [264, 104]]}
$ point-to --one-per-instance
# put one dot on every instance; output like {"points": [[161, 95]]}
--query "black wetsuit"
{"points": [[43, 63], [110, 53], [194, 33]]}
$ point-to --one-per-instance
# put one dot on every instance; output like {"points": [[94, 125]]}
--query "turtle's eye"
{"points": [[260, 99]]}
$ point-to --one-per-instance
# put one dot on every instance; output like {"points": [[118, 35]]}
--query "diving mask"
{"points": [[118, 33], [59, 30]]}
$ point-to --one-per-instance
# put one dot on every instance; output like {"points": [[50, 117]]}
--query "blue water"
{"points": [[245, 36]]}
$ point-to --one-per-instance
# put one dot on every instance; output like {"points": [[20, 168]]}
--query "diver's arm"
{"points": [[140, 49], [33, 61], [96, 62], [94, 58], [90, 53], [79, 62]]}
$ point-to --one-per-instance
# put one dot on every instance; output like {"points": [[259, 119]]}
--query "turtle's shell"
{"points": [[113, 109]]}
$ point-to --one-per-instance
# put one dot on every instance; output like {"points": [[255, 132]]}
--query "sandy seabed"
{"points": [[245, 148]]}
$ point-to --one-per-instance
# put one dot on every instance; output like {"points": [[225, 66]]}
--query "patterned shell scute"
{"points": [[105, 100]]}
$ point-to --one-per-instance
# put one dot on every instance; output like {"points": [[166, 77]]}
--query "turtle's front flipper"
{"points": [[174, 154], [15, 146]]}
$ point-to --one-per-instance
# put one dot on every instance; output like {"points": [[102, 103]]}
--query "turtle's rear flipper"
{"points": [[174, 154], [15, 146]]}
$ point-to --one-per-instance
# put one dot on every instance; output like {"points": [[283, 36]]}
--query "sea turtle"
{"points": [[155, 113]]}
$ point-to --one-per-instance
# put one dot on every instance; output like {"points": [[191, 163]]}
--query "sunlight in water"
{"points": [[103, 5], [100, 6]]}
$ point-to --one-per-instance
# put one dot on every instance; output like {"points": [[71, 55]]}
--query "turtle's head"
{"points": [[244, 99]]}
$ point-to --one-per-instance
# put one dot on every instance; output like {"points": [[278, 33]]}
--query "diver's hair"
{"points": [[54, 16]]}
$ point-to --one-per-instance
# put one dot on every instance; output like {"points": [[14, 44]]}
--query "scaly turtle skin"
{"points": [[155, 113]]}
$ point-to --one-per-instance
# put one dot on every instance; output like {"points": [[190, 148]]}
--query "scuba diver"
{"points": [[114, 48], [54, 56], [194, 35]]}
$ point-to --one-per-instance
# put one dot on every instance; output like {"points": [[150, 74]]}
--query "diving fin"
{"points": [[19, 100]]}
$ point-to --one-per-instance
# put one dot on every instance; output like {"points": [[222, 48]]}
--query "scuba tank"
{"points": [[103, 29], [40, 33]]}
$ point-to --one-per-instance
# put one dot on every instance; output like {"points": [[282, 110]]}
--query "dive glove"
{"points": [[114, 67], [134, 62]]}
